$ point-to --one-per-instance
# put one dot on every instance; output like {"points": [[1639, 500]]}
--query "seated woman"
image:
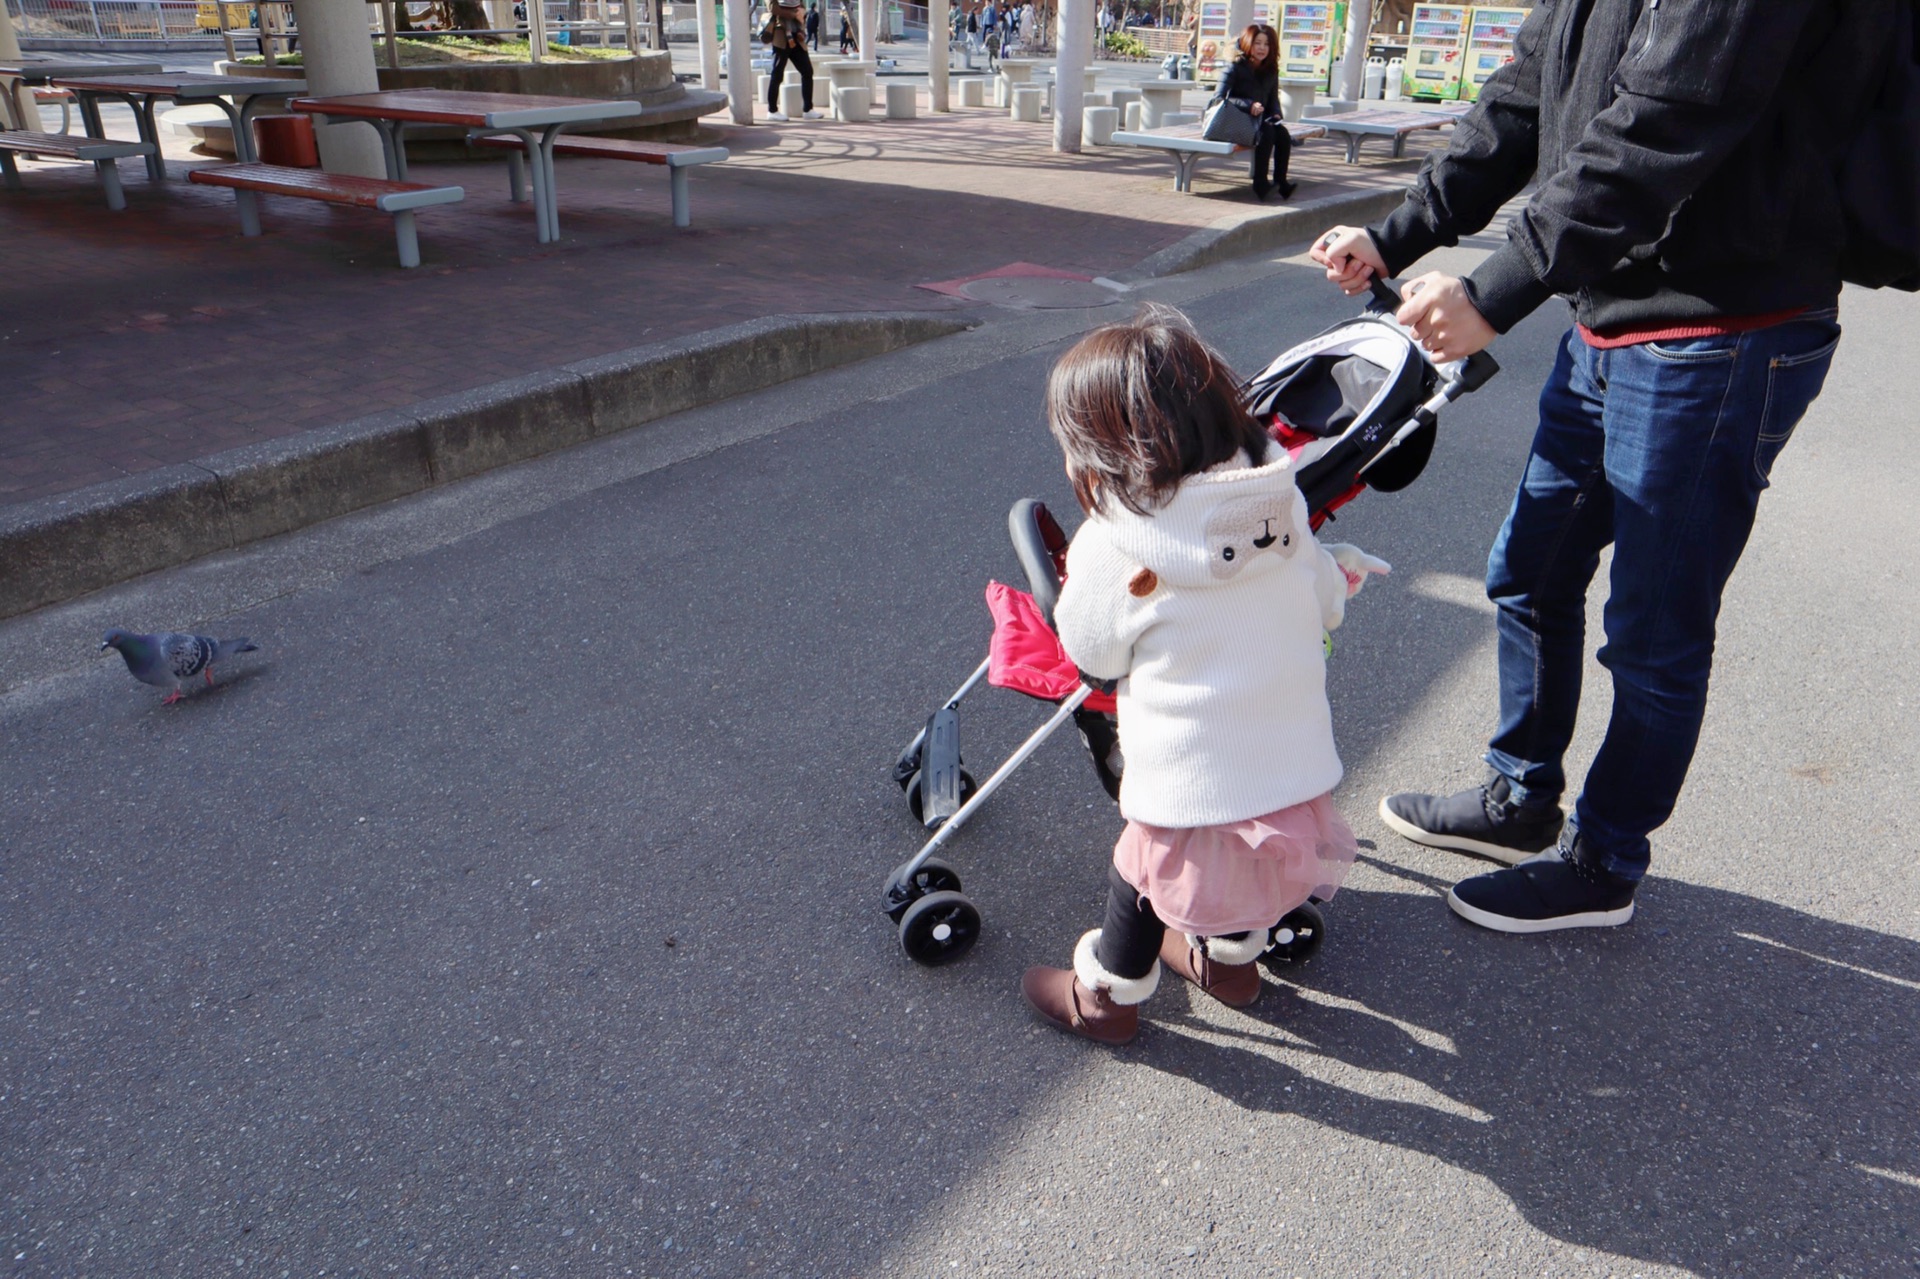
{"points": [[1252, 83]]}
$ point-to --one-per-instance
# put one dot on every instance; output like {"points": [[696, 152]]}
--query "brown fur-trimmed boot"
{"points": [[1224, 969], [1088, 1000]]}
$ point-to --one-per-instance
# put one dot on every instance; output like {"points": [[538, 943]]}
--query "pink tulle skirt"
{"points": [[1213, 880]]}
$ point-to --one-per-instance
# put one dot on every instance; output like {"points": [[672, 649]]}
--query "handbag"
{"points": [[1226, 122]]}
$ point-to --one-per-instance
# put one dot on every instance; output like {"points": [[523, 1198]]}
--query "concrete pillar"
{"points": [[739, 62], [869, 30], [22, 104], [1349, 74], [709, 45], [338, 48], [939, 32], [1070, 69], [1239, 14]]}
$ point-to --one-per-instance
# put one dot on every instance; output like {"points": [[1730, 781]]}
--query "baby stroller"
{"points": [[1357, 408]]}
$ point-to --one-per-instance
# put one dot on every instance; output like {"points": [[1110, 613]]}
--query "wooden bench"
{"points": [[677, 156], [397, 198], [99, 152], [1184, 143]]}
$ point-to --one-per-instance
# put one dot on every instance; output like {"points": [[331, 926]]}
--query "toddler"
{"points": [[1197, 584]]}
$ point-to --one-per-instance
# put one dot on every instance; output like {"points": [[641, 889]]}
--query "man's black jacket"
{"points": [[1685, 150]]}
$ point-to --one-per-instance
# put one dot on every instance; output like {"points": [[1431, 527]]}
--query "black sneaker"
{"points": [[1554, 890], [1485, 820]]}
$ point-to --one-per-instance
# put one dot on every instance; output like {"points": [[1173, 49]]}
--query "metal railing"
{"points": [[109, 20]]}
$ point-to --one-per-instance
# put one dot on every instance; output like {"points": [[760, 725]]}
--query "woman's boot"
{"points": [[1087, 999], [1224, 969]]}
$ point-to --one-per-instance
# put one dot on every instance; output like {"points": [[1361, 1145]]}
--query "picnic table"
{"points": [[1388, 122], [535, 119], [1186, 146], [1159, 97], [142, 92], [38, 71]]}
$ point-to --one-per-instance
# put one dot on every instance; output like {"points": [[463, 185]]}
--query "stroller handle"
{"points": [[1473, 372]]}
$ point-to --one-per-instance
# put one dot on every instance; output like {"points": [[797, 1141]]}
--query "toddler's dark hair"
{"points": [[1139, 406]]}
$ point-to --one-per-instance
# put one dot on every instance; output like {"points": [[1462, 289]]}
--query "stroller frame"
{"points": [[937, 923]]}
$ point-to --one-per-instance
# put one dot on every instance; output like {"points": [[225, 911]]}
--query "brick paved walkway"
{"points": [[139, 339]]}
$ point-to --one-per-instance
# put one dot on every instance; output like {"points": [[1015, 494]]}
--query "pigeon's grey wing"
{"points": [[186, 655]]}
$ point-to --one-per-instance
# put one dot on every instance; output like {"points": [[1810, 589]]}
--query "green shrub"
{"points": [[1127, 46]]}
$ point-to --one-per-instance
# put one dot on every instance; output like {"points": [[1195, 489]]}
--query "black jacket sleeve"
{"points": [[1696, 76]]}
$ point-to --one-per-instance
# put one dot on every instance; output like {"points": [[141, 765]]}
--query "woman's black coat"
{"points": [[1244, 84]]}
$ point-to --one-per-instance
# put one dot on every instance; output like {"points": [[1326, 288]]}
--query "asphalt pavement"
{"points": [[515, 910]]}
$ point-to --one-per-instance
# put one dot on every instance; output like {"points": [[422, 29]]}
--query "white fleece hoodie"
{"points": [[1217, 645]]}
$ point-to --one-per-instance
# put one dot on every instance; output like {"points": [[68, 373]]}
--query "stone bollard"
{"points": [[973, 92], [903, 101], [1121, 97], [823, 92], [1026, 103], [761, 83], [793, 100], [1097, 125], [1134, 108], [1173, 119], [1095, 100], [852, 104]]}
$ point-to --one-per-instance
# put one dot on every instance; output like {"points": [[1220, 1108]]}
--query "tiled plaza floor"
{"points": [[138, 339]]}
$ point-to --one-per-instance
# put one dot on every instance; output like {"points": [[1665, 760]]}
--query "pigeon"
{"points": [[164, 660]]}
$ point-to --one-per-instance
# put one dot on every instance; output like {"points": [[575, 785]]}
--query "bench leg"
{"points": [[1399, 145], [109, 173], [409, 240], [9, 171], [1353, 148], [1186, 163], [682, 205], [249, 211], [517, 177]]}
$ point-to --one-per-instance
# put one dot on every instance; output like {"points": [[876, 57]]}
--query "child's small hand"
{"points": [[1356, 564]]}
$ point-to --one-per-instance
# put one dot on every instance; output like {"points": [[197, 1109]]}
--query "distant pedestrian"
{"points": [[846, 29], [813, 26], [786, 31]]}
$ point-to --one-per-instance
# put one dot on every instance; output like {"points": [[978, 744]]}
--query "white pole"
{"points": [[939, 31], [869, 31], [1349, 76], [709, 45], [631, 8], [1239, 15], [739, 62], [1070, 72], [337, 45]]}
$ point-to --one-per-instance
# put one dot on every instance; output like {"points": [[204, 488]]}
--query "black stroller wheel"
{"points": [[939, 928], [916, 802], [934, 876], [1297, 937]]}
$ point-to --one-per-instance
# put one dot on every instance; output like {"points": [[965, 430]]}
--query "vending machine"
{"points": [[1307, 40], [1214, 47], [1490, 36], [1435, 49]]}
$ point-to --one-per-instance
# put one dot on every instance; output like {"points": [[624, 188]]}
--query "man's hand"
{"points": [[1350, 257], [1441, 315]]}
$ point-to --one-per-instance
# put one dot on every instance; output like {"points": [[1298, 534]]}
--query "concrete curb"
{"points": [[1240, 234], [59, 547]]}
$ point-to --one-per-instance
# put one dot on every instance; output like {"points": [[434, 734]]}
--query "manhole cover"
{"points": [[1039, 293]]}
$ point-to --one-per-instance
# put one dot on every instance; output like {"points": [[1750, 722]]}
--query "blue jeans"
{"points": [[1662, 450]]}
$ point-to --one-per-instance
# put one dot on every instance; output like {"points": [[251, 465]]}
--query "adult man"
{"points": [[786, 31], [813, 25], [1686, 206]]}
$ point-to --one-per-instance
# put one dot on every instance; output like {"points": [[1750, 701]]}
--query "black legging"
{"points": [[1130, 937], [797, 55], [1273, 147]]}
